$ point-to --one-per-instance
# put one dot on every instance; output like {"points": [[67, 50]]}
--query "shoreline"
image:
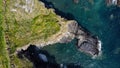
{"points": [[100, 50], [68, 32]]}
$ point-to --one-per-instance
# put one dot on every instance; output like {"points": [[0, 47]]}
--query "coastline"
{"points": [[69, 30]]}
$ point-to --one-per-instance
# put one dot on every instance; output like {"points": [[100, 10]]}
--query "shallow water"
{"points": [[100, 20]]}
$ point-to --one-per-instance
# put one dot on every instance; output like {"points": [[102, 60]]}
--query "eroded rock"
{"points": [[87, 43]]}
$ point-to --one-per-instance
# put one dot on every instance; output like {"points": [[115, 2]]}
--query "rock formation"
{"points": [[86, 42], [113, 2]]}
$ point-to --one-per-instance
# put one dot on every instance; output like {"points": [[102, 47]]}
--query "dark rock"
{"points": [[87, 43], [73, 27], [88, 47], [45, 60]]}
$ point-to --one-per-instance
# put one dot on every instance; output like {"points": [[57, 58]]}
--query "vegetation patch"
{"points": [[4, 60], [32, 26]]}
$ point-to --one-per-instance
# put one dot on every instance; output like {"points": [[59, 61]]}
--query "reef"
{"points": [[76, 1]]}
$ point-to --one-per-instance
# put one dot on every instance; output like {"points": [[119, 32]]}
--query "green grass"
{"points": [[30, 27], [21, 63], [45, 25], [4, 58], [39, 28], [23, 28]]}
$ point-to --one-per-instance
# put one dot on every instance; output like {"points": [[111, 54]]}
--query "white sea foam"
{"points": [[100, 50], [99, 45]]}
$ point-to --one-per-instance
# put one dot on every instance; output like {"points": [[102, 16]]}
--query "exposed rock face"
{"points": [[86, 42], [73, 27], [88, 45]]}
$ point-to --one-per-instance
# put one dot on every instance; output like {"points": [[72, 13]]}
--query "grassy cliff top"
{"points": [[24, 22], [29, 20]]}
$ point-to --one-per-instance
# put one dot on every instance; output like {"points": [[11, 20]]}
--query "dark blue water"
{"points": [[100, 20]]}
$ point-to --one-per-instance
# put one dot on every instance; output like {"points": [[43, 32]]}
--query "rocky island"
{"points": [[28, 22]]}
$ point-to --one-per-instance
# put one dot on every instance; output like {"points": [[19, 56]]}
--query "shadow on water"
{"points": [[65, 15], [57, 11], [42, 59]]}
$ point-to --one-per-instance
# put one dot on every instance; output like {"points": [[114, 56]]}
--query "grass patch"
{"points": [[4, 58], [21, 63], [45, 26], [24, 28]]}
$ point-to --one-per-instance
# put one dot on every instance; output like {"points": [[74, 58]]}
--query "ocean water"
{"points": [[100, 20]]}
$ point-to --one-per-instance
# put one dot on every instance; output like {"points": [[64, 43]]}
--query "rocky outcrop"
{"points": [[88, 45], [86, 42], [113, 2], [71, 29]]}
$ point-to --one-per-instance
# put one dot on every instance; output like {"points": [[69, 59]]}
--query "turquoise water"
{"points": [[100, 20]]}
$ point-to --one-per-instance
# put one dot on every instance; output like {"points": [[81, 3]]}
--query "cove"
{"points": [[96, 18]]}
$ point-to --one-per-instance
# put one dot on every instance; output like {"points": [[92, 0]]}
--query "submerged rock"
{"points": [[76, 1]]}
